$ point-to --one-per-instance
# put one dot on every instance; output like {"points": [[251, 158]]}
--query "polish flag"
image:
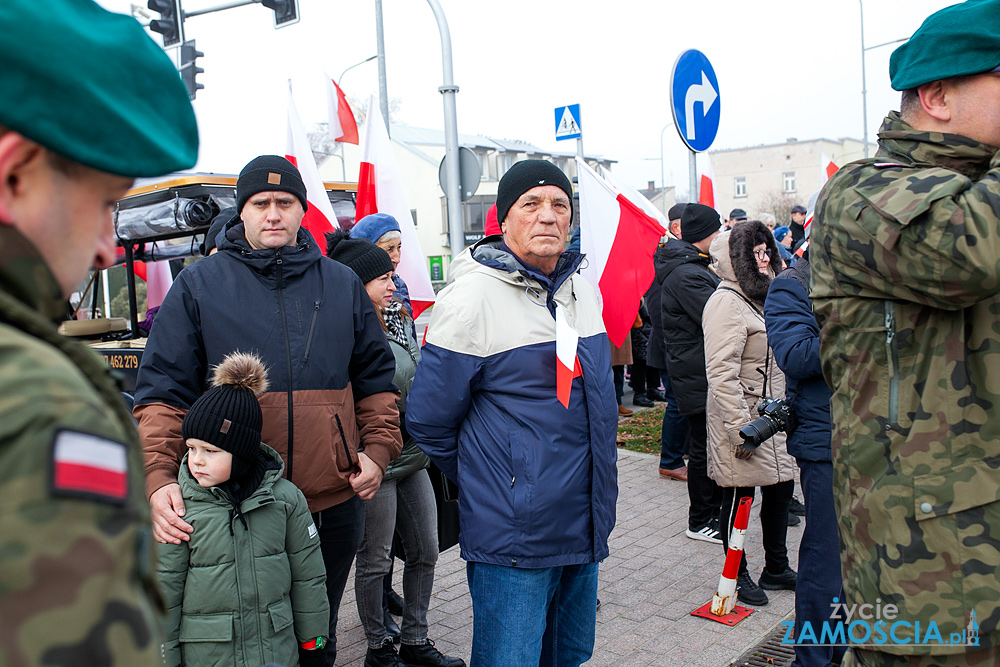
{"points": [[342, 126], [619, 239], [706, 180], [320, 218], [829, 168], [89, 465], [567, 363], [380, 190], [158, 281]]}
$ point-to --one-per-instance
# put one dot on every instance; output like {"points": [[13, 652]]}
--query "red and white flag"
{"points": [[619, 239], [342, 126], [158, 281], [829, 168], [380, 190], [84, 464], [320, 218], [567, 363], [706, 180]]}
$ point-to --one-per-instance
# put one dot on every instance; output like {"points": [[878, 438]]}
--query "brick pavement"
{"points": [[653, 579]]}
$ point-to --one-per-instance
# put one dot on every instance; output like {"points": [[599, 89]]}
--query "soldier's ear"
{"points": [[935, 98], [20, 161]]}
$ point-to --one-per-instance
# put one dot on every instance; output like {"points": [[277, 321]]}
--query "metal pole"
{"points": [[663, 171], [864, 79], [219, 8], [383, 95], [693, 176], [579, 147], [368, 59], [449, 90]]}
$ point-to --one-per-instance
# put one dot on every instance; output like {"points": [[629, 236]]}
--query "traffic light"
{"points": [[189, 69], [171, 21], [286, 12]]}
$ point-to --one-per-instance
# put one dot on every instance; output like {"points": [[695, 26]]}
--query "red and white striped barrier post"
{"points": [[725, 597]]}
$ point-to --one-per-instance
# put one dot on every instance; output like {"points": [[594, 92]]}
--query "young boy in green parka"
{"points": [[249, 587]]}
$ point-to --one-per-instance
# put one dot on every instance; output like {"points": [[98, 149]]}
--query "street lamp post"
{"points": [[663, 172], [864, 79]]}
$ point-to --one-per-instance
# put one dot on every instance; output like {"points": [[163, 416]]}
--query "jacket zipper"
{"points": [[343, 440], [892, 348], [312, 329], [288, 359]]}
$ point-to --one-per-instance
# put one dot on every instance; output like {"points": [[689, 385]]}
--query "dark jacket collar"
{"points": [[295, 260]]}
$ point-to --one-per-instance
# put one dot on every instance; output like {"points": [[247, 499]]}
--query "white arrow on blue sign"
{"points": [[568, 122], [694, 98]]}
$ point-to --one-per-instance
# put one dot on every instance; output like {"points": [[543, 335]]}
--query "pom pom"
{"points": [[242, 369]]}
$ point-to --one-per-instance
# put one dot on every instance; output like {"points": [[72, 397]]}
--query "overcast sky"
{"points": [[786, 68]]}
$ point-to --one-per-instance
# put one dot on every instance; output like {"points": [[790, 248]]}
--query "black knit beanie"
{"points": [[699, 222], [360, 255], [269, 173], [527, 174], [228, 415]]}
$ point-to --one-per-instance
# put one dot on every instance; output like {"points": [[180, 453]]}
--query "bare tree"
{"points": [[777, 203]]}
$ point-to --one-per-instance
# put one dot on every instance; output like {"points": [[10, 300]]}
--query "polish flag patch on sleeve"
{"points": [[90, 467]]}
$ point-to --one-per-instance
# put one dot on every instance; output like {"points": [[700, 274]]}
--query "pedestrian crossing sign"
{"points": [[568, 122]]}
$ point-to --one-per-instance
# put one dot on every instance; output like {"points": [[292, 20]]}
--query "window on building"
{"points": [[740, 186], [788, 181], [413, 214]]}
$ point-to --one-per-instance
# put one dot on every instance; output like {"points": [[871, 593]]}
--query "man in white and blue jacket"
{"points": [[538, 481]]}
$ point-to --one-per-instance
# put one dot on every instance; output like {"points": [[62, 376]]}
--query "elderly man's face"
{"points": [[272, 219], [537, 224]]}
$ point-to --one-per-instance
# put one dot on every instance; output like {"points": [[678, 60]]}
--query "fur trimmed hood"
{"points": [[733, 259]]}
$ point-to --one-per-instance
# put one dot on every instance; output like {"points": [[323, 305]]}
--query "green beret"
{"points": [[92, 86], [958, 40]]}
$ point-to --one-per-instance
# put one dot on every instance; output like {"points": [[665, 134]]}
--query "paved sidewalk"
{"points": [[653, 579]]}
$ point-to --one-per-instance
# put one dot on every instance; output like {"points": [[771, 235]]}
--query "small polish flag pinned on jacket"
{"points": [[85, 465], [567, 363]]}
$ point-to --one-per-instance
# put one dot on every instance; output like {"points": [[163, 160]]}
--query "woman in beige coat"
{"points": [[741, 371]]}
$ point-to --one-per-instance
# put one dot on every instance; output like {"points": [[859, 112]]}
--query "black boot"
{"points": [[425, 655], [395, 602], [383, 656], [391, 628], [748, 592]]}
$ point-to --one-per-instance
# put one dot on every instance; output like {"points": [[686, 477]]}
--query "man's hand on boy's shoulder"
{"points": [[167, 507]]}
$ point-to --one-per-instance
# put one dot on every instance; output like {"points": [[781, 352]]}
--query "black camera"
{"points": [[775, 415]]}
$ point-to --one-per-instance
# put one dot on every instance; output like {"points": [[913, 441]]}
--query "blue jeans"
{"points": [[819, 562], [532, 617], [674, 430]]}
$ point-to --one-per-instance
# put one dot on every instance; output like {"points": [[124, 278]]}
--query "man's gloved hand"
{"points": [[313, 658]]}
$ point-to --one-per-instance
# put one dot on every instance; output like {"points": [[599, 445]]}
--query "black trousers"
{"points": [[341, 528], [704, 495], [773, 521], [643, 377]]}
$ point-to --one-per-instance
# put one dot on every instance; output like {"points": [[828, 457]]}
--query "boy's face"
{"points": [[209, 465]]}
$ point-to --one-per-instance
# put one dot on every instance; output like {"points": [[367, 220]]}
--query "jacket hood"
{"points": [[491, 253], [674, 254], [295, 260], [732, 254]]}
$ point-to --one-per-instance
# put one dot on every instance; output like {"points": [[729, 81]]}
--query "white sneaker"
{"points": [[706, 534]]}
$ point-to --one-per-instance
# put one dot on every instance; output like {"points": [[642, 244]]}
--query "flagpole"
{"points": [[383, 94]]}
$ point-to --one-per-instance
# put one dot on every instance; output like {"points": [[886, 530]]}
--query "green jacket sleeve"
{"points": [[172, 569], [310, 604]]}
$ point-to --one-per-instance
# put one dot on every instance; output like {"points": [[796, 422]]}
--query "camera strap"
{"points": [[767, 358]]}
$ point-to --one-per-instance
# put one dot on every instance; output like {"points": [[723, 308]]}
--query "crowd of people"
{"points": [[285, 415]]}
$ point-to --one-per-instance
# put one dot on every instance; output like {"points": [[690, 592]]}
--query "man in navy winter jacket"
{"points": [[538, 481], [330, 411], [793, 333]]}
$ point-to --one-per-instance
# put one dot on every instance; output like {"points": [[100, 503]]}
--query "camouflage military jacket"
{"points": [[75, 541], [905, 256]]}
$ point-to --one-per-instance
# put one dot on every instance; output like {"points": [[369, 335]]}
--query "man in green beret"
{"points": [[905, 255], [87, 103]]}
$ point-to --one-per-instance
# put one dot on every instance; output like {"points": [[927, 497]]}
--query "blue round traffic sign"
{"points": [[695, 101]]}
